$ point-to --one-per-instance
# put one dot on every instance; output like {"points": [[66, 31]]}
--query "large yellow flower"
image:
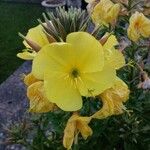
{"points": [[105, 12], [73, 69], [139, 26]]}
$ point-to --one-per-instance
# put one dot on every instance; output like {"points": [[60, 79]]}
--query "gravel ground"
{"points": [[13, 102]]}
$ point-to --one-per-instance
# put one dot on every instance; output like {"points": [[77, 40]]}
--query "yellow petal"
{"points": [[105, 12], [60, 91], [113, 99], [38, 101], [110, 43], [106, 110], [139, 26], [88, 51], [119, 91], [113, 13], [37, 35], [92, 84], [30, 79], [145, 26], [57, 57], [27, 55], [113, 57], [76, 123], [83, 127], [69, 133]]}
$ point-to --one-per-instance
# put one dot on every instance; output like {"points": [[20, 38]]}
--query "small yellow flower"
{"points": [[73, 69], [36, 35], [105, 12], [38, 101], [74, 125], [139, 26], [113, 99]]}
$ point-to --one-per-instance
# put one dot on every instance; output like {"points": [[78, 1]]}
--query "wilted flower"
{"points": [[74, 125], [105, 12], [113, 99], [139, 26], [35, 92]]}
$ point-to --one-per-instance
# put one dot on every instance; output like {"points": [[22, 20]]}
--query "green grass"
{"points": [[14, 18]]}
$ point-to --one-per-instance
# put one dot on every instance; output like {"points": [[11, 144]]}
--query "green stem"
{"points": [[76, 147]]}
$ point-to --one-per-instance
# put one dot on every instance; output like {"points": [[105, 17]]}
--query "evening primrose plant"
{"points": [[80, 75]]}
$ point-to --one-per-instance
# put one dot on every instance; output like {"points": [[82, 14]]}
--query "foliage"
{"points": [[10, 24]]}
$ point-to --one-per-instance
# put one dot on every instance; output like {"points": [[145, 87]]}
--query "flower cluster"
{"points": [[82, 66]]}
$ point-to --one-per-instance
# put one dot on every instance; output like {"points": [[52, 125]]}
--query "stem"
{"points": [[76, 147]]}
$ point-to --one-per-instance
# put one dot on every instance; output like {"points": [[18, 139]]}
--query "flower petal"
{"points": [[37, 35], [88, 50], [82, 126], [110, 43], [38, 102], [60, 91], [92, 84], [30, 79], [27, 55], [57, 57], [69, 133], [113, 99], [113, 57]]}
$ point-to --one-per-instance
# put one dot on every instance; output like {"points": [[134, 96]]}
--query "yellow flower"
{"points": [[139, 26], [73, 69], [26, 55], [74, 125], [113, 99], [105, 12], [36, 35]]}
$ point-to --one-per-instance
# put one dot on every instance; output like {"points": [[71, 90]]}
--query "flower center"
{"points": [[75, 73]]}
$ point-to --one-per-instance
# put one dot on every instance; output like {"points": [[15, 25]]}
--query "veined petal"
{"points": [[88, 51], [37, 35], [30, 79], [92, 84], [76, 123], [27, 55], [82, 126], [113, 57], [106, 110], [57, 57], [38, 101], [145, 26], [113, 99], [113, 13], [69, 133], [61, 91]]}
